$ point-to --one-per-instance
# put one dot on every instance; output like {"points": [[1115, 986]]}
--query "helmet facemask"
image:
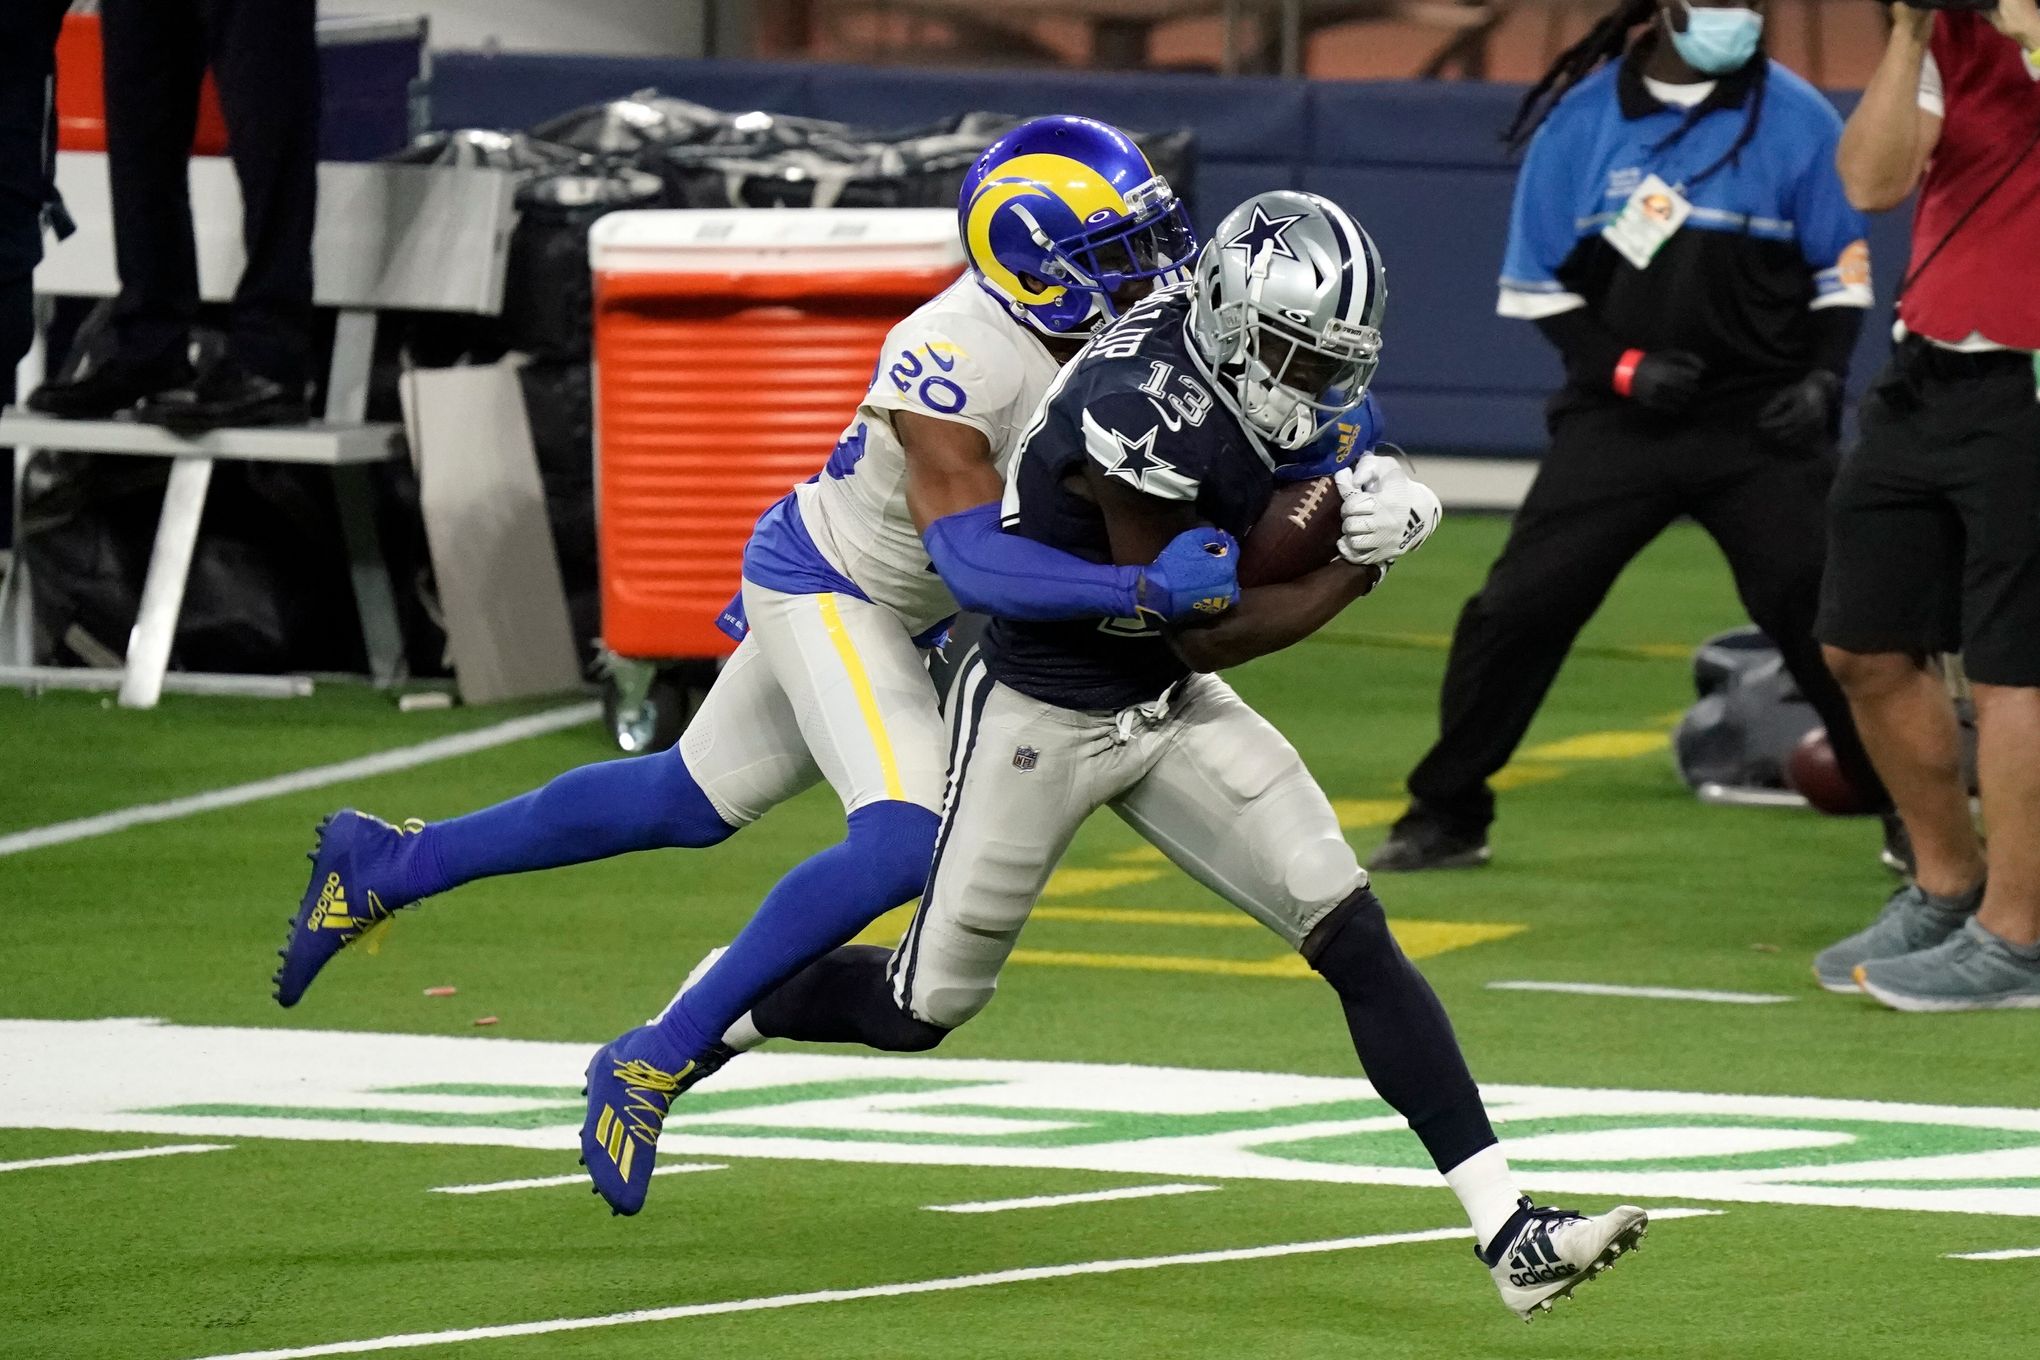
{"points": [[1152, 245]]}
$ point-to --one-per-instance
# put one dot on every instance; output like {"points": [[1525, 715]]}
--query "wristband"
{"points": [[1625, 371]]}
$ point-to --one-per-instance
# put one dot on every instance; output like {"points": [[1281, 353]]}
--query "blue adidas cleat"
{"points": [[629, 1094], [338, 906]]}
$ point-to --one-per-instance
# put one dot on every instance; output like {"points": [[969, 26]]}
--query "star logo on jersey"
{"points": [[1137, 462], [1265, 231]]}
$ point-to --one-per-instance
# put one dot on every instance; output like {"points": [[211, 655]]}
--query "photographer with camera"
{"points": [[1934, 531]]}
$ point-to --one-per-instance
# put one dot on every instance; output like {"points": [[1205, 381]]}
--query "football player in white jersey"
{"points": [[1064, 224], [1278, 332]]}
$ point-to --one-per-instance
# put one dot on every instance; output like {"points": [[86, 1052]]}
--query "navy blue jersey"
{"points": [[1771, 236], [1137, 405]]}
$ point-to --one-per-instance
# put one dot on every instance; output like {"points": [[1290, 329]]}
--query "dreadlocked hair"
{"points": [[1606, 41]]}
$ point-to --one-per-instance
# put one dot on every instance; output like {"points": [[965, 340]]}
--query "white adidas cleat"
{"points": [[701, 969], [1541, 1255]]}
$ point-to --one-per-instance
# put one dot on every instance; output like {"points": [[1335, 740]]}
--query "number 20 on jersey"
{"points": [[937, 392]]}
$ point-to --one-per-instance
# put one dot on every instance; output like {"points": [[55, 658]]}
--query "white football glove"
{"points": [[1384, 512]]}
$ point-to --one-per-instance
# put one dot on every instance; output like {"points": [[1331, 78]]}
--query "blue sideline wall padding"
{"points": [[1417, 162]]}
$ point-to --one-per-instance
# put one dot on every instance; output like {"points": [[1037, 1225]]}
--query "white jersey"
{"points": [[961, 356]]}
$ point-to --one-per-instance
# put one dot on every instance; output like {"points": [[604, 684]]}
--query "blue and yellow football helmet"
{"points": [[1061, 214]]}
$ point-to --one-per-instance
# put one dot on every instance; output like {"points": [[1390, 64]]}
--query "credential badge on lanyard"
{"points": [[1651, 217]]}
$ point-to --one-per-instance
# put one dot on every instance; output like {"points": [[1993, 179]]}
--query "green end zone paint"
{"points": [[140, 1076]]}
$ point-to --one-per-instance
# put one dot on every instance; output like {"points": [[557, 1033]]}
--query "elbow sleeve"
{"points": [[994, 572]]}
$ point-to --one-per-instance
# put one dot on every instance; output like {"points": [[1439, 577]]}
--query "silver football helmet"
{"points": [[1286, 305]]}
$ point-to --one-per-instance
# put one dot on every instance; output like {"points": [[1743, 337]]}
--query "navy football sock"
{"points": [[1399, 1030], [821, 903], [640, 803]]}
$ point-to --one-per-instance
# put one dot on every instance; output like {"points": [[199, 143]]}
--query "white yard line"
{"points": [[2013, 1254], [83, 1158], [1027, 1275], [1646, 993], [540, 1182], [415, 1340], [999, 1206], [318, 776]]}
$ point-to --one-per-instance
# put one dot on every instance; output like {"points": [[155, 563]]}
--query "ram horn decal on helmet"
{"points": [[1065, 222]]}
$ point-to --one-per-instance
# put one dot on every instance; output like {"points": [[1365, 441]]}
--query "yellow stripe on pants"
{"points": [[867, 702]]}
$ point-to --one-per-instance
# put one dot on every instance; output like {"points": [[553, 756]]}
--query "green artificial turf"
{"points": [[1613, 871]]}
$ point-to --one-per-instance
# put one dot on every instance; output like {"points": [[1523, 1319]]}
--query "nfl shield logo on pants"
{"points": [[1025, 757]]}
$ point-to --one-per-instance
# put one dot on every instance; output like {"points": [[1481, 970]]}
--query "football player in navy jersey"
{"points": [[1183, 413], [846, 582]]}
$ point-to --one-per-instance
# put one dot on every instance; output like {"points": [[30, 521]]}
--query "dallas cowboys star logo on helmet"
{"points": [[1263, 230]]}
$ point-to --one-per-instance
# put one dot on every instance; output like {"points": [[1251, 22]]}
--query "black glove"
{"points": [[1806, 414], [1663, 380]]}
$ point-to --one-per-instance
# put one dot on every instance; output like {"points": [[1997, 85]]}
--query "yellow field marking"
{"points": [[1417, 642], [1425, 939], [1600, 746], [1358, 814], [1140, 854], [1143, 916], [1516, 774], [1420, 939], [1078, 882], [1283, 966], [1442, 642], [887, 929]]}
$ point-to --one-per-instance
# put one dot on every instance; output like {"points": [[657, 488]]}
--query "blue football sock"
{"points": [[821, 903], [646, 802]]}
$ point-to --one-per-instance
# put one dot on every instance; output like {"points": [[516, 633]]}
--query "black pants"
{"points": [[28, 34], [1934, 539], [265, 58], [1614, 479]]}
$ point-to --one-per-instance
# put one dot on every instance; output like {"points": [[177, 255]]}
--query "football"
{"points": [[1813, 772], [1299, 532]]}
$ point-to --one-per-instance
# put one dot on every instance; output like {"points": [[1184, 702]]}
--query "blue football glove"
{"points": [[1339, 443], [1196, 576]]}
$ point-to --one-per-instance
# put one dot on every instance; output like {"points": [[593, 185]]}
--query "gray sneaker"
{"points": [[1971, 970], [1414, 845], [1909, 923]]}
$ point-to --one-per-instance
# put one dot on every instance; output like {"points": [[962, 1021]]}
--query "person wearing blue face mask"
{"points": [[1681, 237], [1715, 39]]}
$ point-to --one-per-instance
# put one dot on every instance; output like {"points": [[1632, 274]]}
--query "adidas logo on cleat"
{"points": [[330, 911], [615, 1140], [1541, 1274]]}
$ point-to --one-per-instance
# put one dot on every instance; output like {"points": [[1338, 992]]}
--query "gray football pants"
{"points": [[1198, 774]]}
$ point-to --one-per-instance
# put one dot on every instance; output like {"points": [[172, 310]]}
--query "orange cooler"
{"points": [[81, 93], [731, 348]]}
